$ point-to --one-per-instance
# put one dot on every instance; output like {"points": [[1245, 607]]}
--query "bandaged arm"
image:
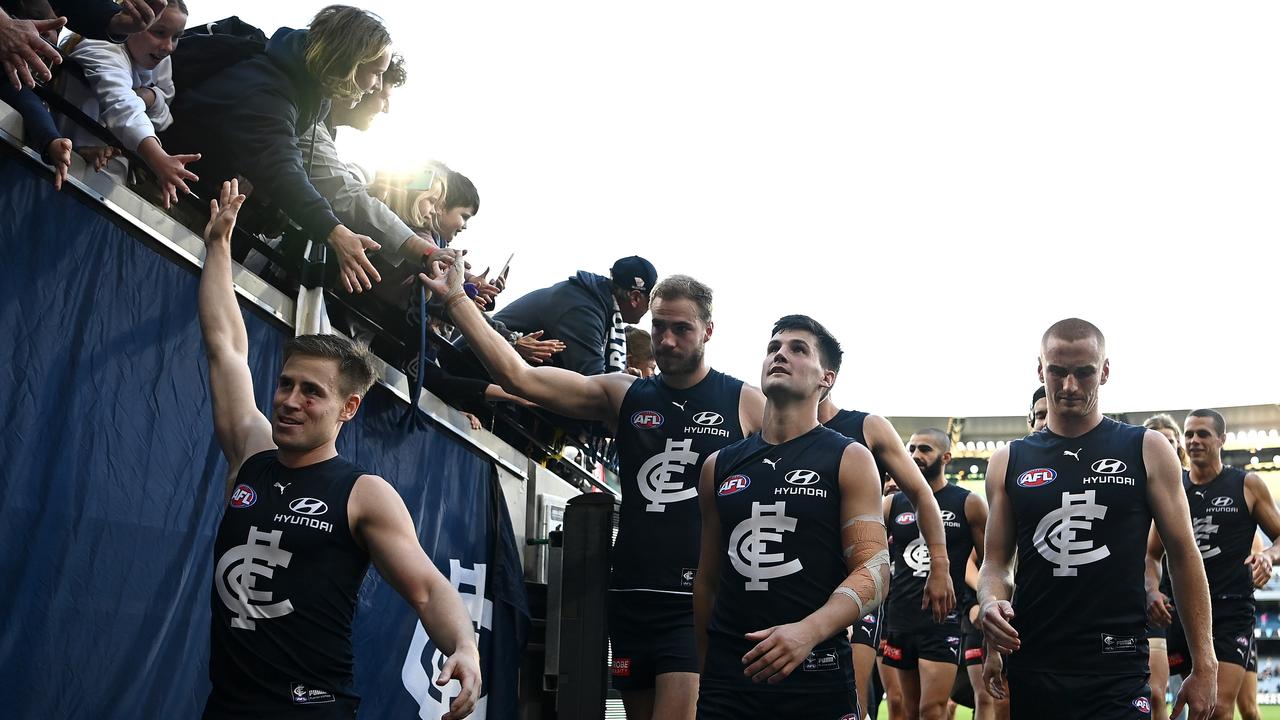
{"points": [[864, 544]]}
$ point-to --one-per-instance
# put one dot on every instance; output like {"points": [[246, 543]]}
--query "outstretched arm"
{"points": [[780, 649], [887, 446], [596, 397], [241, 428], [1172, 517], [381, 523]]}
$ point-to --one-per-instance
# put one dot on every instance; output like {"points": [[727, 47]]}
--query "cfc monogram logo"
{"points": [[747, 550], [237, 574], [655, 480], [917, 556], [1055, 536], [1204, 529]]}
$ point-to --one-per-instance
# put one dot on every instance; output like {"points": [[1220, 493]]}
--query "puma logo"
{"points": [[680, 405], [1075, 454], [282, 487], [771, 463]]}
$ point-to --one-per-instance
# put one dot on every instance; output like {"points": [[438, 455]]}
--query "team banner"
{"points": [[111, 489]]}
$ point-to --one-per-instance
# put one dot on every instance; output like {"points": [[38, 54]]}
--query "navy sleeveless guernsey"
{"points": [[849, 423], [286, 573], [1081, 517], [664, 435], [779, 509], [910, 557], [1224, 530]]}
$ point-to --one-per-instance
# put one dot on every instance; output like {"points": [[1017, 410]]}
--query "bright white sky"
{"points": [[936, 182]]}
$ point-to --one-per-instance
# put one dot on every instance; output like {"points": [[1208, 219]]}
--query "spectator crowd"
{"points": [[188, 107]]}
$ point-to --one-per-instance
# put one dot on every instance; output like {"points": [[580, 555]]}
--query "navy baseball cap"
{"points": [[634, 273]]}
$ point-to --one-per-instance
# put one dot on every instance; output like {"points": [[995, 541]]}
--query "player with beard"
{"points": [[796, 509], [307, 519], [1226, 507], [1075, 500], [921, 653], [665, 428], [892, 462]]}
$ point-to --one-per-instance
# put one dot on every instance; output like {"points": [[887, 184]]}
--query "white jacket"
{"points": [[111, 98]]}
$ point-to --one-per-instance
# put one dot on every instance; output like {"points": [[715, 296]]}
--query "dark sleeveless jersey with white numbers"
{"points": [[1224, 530], [779, 508], [286, 573], [910, 557], [849, 423], [664, 435], [1081, 519]]}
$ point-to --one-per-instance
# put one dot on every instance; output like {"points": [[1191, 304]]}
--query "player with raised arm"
{"points": [[665, 426], [306, 520]]}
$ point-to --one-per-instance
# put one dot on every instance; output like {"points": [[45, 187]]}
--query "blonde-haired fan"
{"points": [[244, 111]]}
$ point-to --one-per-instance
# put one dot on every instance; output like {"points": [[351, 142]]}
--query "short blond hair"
{"points": [[340, 39], [406, 196]]}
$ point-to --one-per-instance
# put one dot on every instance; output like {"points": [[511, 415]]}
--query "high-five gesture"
{"points": [[223, 212]]}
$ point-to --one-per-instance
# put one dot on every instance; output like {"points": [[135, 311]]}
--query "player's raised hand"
{"points": [[447, 272], [223, 213]]}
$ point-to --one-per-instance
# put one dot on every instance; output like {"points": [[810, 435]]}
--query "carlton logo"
{"points": [[243, 496], [708, 418], [647, 420], [905, 518], [802, 477], [734, 484], [1109, 466], [1037, 478], [308, 506], [1222, 501]]}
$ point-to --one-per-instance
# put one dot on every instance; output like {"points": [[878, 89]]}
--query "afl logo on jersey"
{"points": [[1037, 478], [905, 518], [1109, 467], [1143, 705], [802, 477], [647, 420], [243, 496], [733, 484], [708, 418]]}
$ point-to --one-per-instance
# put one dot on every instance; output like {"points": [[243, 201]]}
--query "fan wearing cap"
{"points": [[589, 313]]}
